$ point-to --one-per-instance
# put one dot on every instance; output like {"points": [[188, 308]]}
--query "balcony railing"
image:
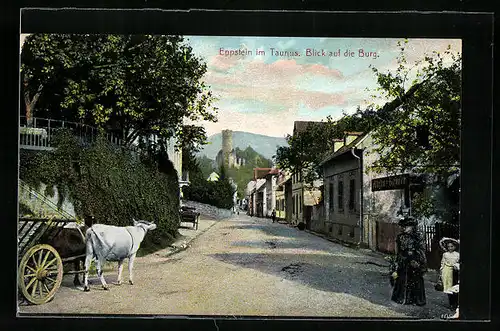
{"points": [[39, 135]]}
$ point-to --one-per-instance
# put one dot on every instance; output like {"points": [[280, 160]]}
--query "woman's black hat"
{"points": [[407, 221]]}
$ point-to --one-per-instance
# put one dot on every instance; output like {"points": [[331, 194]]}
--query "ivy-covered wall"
{"points": [[110, 183]]}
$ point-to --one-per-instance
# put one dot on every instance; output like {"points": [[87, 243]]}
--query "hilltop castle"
{"points": [[227, 155]]}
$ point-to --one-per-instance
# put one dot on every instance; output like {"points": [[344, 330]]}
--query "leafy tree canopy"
{"points": [[422, 132], [131, 85], [306, 149]]}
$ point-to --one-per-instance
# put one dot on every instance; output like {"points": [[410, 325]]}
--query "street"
{"points": [[248, 266]]}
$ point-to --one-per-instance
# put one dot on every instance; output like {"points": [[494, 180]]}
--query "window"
{"points": [[330, 197], [293, 206], [283, 204], [352, 194], [340, 195], [300, 202]]}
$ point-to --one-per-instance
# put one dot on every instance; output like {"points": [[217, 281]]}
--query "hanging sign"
{"points": [[390, 183]]}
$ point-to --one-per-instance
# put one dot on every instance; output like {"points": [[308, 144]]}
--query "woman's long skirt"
{"points": [[409, 288]]}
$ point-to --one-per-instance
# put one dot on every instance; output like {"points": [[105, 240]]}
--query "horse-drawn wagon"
{"points": [[40, 269]]}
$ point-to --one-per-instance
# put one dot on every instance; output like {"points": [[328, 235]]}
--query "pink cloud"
{"points": [[276, 126], [256, 72], [273, 83], [221, 62]]}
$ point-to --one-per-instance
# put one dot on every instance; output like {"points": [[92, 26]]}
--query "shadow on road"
{"points": [[338, 274]]}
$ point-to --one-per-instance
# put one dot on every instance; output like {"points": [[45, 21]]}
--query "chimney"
{"points": [[349, 137], [337, 144]]}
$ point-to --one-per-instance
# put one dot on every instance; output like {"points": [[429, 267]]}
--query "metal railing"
{"points": [[40, 133]]}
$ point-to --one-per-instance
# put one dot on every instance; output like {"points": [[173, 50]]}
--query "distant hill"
{"points": [[264, 145]]}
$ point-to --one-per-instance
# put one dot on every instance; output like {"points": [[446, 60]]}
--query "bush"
{"points": [[111, 184], [218, 193]]}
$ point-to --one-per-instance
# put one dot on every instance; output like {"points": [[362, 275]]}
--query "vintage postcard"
{"points": [[239, 176]]}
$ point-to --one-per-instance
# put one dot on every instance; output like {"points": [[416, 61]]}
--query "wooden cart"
{"points": [[40, 269], [189, 215]]}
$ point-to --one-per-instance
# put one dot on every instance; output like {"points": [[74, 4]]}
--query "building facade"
{"points": [[359, 202]]}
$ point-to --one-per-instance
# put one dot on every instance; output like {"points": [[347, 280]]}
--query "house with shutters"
{"points": [[358, 202]]}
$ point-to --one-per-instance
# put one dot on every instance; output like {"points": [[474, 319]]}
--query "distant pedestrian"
{"points": [[449, 269], [410, 266], [273, 215]]}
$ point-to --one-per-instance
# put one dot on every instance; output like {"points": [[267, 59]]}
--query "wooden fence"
{"points": [[387, 233]]}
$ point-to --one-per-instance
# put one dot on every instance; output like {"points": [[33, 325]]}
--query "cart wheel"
{"points": [[40, 273]]}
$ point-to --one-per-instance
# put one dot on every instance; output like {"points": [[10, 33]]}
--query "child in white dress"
{"points": [[449, 269]]}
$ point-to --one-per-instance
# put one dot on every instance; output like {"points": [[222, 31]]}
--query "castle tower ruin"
{"points": [[227, 147]]}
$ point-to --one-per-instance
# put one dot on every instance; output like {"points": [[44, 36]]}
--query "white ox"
{"points": [[113, 243]]}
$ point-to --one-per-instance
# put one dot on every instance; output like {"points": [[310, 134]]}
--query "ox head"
{"points": [[148, 226]]}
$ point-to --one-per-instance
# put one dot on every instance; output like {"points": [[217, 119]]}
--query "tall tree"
{"points": [[306, 149], [131, 85]]}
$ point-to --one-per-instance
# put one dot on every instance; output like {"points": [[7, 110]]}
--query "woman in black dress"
{"points": [[410, 266]]}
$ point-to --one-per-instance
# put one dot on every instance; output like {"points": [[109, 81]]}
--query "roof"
{"points": [[274, 171], [388, 107], [259, 184], [301, 126], [345, 148], [260, 172]]}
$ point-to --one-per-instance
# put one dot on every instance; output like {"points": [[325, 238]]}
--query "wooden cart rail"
{"points": [[31, 230], [40, 269]]}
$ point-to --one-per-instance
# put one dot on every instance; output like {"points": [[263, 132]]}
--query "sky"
{"points": [[265, 93]]}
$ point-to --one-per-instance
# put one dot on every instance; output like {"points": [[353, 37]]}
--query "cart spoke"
{"points": [[34, 288], [30, 283], [40, 253], [50, 262], [31, 269], [29, 275], [46, 257], [40, 289], [46, 288], [51, 279], [53, 270], [34, 261]]}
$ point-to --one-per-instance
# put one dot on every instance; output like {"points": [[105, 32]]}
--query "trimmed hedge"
{"points": [[112, 184]]}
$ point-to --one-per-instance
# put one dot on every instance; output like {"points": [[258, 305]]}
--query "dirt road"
{"points": [[247, 266]]}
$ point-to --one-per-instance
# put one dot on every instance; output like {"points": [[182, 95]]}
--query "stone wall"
{"points": [[208, 210]]}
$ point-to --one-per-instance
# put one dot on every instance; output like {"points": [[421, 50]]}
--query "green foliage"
{"points": [[111, 184], [244, 173], [24, 209], [306, 149], [253, 158], [430, 101], [205, 166], [131, 85], [422, 205], [218, 193]]}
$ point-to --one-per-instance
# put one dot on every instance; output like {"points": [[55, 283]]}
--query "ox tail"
{"points": [[90, 249]]}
